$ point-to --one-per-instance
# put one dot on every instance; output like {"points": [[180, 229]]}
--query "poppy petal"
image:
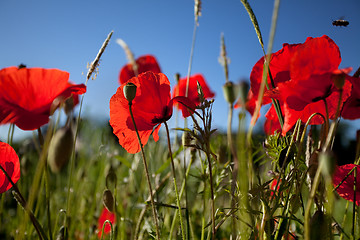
{"points": [[144, 63], [10, 162], [346, 188], [26, 94], [105, 215], [180, 90]]}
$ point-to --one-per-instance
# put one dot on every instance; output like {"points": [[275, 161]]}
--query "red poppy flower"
{"points": [[180, 89], [144, 63], [27, 94], [151, 107], [105, 215], [303, 76], [272, 123], [9, 161], [351, 109], [346, 189]]}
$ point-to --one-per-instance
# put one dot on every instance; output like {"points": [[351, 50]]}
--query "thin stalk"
{"points": [[21, 200], [147, 174], [47, 186], [11, 133], [354, 206], [310, 201], [235, 167], [175, 184], [182, 191], [191, 59], [91, 70], [34, 191], [267, 58], [344, 220], [211, 191]]}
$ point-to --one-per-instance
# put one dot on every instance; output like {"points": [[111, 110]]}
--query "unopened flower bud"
{"points": [[229, 92], [244, 89], [60, 149], [111, 178], [339, 80], [186, 138], [200, 92], [130, 91], [108, 200], [69, 104]]}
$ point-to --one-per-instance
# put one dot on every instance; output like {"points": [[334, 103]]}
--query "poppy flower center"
{"points": [[327, 93]]}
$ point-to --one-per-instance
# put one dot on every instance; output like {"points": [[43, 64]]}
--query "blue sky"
{"points": [[68, 34]]}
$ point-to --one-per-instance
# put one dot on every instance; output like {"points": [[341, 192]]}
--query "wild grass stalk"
{"points": [[147, 175]]}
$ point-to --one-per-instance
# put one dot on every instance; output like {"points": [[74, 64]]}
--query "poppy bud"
{"points": [[60, 149], [186, 139], [108, 200], [339, 80], [69, 105], [130, 91], [244, 89], [111, 177], [229, 92], [200, 92]]}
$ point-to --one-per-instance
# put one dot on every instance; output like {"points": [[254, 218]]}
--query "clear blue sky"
{"points": [[67, 35]]}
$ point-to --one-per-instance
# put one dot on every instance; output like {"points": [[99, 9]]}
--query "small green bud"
{"points": [[229, 92], [111, 178], [186, 138], [108, 200], [130, 91], [60, 149], [244, 89]]}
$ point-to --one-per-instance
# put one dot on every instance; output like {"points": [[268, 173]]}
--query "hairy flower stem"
{"points": [[11, 134], [47, 186], [147, 174], [175, 184], [211, 191], [235, 167], [21, 200], [354, 206], [182, 191], [310, 201]]}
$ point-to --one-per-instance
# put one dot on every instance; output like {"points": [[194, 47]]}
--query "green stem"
{"points": [[175, 184], [20, 199], [211, 191], [354, 206], [147, 174], [310, 201]]}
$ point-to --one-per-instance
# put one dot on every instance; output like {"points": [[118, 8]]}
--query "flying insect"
{"points": [[340, 22]]}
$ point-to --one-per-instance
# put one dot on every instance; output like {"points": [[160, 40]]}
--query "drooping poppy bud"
{"points": [[130, 91], [244, 90], [60, 149], [339, 80], [229, 92], [108, 200]]}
